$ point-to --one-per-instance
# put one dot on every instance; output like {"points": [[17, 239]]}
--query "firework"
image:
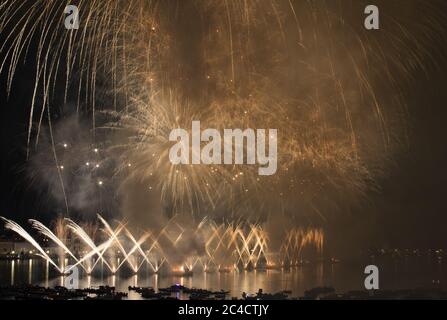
{"points": [[206, 246], [304, 67]]}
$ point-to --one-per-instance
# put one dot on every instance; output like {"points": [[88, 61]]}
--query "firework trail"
{"points": [[13, 226], [89, 241], [48, 233], [225, 247], [335, 91]]}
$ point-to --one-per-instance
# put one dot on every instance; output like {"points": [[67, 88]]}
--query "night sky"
{"points": [[409, 209]]}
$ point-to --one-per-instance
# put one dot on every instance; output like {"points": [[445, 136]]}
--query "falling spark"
{"points": [[300, 66]]}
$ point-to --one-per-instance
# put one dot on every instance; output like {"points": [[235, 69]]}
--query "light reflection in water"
{"points": [[320, 274], [155, 285], [39, 272], [341, 276], [30, 271], [47, 272], [13, 263]]}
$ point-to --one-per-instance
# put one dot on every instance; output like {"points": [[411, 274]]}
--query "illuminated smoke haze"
{"points": [[136, 70]]}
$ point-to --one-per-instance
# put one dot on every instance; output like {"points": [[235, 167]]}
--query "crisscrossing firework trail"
{"points": [[226, 246]]}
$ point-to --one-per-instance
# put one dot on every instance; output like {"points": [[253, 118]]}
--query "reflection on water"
{"points": [[13, 264], [394, 274]]}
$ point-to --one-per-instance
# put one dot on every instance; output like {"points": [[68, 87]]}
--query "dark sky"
{"points": [[410, 210], [413, 199]]}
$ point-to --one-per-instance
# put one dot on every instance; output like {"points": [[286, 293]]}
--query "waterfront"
{"points": [[396, 274]]}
